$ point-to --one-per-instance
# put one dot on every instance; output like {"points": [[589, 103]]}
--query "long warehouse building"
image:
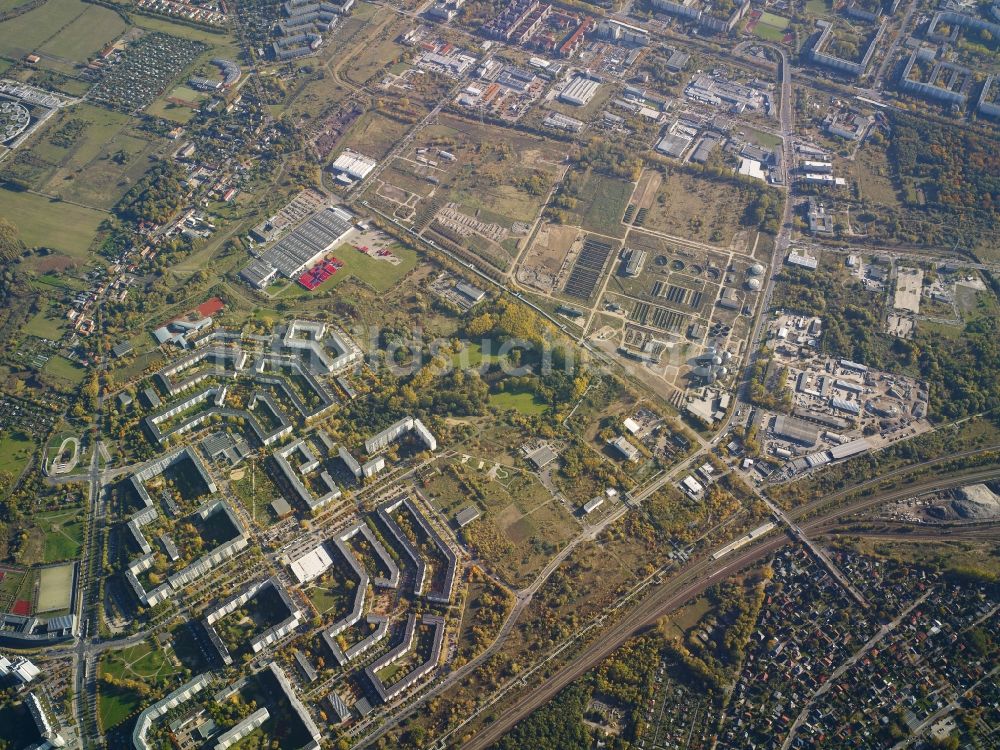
{"points": [[303, 246], [795, 430]]}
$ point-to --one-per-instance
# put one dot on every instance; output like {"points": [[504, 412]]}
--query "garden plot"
{"points": [[144, 70]]}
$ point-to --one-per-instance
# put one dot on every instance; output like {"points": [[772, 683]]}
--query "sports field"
{"points": [[54, 224], [815, 8], [179, 113], [55, 590], [770, 27], [14, 586], [762, 138]]}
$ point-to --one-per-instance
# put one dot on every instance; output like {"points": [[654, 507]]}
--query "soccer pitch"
{"points": [[55, 588]]}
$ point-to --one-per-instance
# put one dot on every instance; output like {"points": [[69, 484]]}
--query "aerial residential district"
{"points": [[508, 374]]}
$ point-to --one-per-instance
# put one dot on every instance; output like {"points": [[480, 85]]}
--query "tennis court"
{"points": [[12, 589]]}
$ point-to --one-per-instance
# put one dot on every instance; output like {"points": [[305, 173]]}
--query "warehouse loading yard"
{"points": [[838, 408]]}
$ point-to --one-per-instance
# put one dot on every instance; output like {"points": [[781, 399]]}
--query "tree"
{"points": [[11, 246]]}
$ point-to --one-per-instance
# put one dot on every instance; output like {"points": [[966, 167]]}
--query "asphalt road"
{"points": [[690, 582], [666, 598]]}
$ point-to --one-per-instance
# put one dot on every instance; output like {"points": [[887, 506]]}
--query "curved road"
{"points": [[689, 583]]}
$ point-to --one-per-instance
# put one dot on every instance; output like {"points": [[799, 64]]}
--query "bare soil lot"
{"points": [[698, 208], [645, 191]]}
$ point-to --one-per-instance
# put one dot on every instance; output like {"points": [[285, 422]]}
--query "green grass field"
{"points": [[68, 29], [143, 661], [472, 356], [818, 7], [56, 441], [380, 275], [601, 202], [87, 35], [374, 55], [46, 283], [15, 451], [170, 111], [11, 581], [499, 175], [525, 519], [8, 5], [63, 535], [373, 135], [256, 491], [699, 208], [104, 159], [501, 204], [47, 323], [872, 172], [114, 705], [221, 41], [767, 140], [326, 600], [525, 402], [768, 33], [973, 303], [45, 223], [779, 22], [61, 368], [771, 32], [101, 125]]}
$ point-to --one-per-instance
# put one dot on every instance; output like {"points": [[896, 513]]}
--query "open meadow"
{"points": [[698, 208], [601, 202], [43, 222], [61, 32]]}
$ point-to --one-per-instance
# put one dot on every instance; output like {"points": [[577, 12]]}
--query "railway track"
{"points": [[688, 583]]}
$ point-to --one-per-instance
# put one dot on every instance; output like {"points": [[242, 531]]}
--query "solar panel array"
{"points": [[307, 241]]}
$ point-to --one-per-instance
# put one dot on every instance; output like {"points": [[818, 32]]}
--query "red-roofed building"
{"points": [[571, 45]]}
